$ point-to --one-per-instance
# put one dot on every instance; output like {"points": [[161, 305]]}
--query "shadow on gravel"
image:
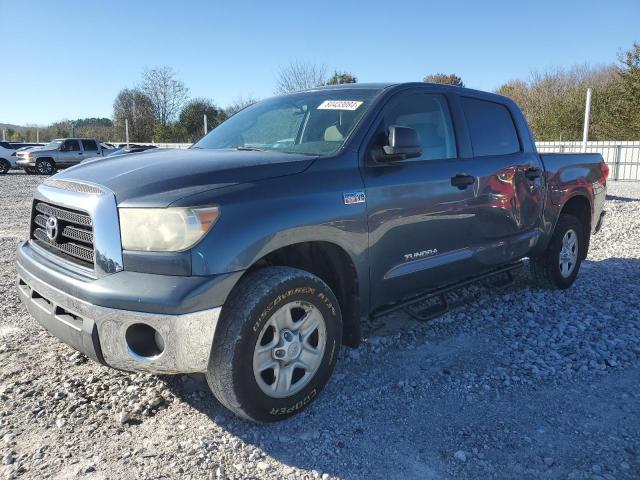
{"points": [[622, 199], [359, 424]]}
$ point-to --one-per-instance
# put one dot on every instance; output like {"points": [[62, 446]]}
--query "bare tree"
{"points": [[167, 93], [238, 104], [299, 75]]}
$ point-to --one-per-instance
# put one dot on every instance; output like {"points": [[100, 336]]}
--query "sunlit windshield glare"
{"points": [[53, 144], [313, 123]]}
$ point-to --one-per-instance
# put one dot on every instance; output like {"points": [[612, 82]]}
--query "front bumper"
{"points": [[101, 332], [25, 162], [68, 308]]}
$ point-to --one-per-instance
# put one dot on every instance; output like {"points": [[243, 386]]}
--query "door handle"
{"points": [[532, 173], [462, 181]]}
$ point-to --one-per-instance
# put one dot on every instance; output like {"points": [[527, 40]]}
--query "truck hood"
{"points": [[157, 179]]}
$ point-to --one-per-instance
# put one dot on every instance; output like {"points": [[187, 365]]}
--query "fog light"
{"points": [[144, 341]]}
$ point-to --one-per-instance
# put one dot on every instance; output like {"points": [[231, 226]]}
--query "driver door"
{"points": [[420, 224]]}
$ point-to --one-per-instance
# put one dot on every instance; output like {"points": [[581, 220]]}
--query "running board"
{"points": [[439, 305]]}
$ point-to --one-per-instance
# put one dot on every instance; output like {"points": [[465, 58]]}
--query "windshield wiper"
{"points": [[245, 148]]}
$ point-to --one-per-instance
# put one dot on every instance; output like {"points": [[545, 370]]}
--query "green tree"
{"points": [[446, 78], [339, 78], [136, 107], [170, 133], [192, 117], [626, 104]]}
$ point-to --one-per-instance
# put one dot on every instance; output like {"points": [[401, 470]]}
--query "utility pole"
{"points": [[73, 129], [37, 135], [587, 111], [205, 123], [126, 129], [4, 134]]}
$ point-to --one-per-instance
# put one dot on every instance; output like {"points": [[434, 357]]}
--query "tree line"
{"points": [[159, 108]]}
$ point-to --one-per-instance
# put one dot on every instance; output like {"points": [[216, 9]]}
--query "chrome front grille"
{"points": [[72, 236]]}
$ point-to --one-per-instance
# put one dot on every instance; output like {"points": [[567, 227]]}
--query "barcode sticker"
{"points": [[340, 105]]}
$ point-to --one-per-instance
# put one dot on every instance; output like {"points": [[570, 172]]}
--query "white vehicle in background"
{"points": [[8, 151], [60, 153]]}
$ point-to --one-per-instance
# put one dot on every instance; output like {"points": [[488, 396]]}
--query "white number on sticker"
{"points": [[339, 105]]}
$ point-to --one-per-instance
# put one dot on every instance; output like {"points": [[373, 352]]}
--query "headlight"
{"points": [[164, 229]]}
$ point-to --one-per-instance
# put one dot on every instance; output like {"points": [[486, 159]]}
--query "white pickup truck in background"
{"points": [[60, 153]]}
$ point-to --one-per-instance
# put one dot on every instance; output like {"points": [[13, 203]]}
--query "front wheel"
{"points": [[276, 345], [45, 166], [559, 265], [4, 166]]}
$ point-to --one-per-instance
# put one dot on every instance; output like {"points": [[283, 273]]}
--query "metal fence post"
{"points": [[616, 162]]}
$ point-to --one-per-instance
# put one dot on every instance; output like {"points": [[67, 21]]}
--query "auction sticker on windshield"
{"points": [[340, 105]]}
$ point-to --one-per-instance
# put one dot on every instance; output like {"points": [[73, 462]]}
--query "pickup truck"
{"points": [[254, 255], [59, 153]]}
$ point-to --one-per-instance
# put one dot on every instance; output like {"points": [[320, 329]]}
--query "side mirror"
{"points": [[402, 143]]}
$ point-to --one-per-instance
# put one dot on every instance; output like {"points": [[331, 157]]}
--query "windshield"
{"points": [[312, 123], [52, 145]]}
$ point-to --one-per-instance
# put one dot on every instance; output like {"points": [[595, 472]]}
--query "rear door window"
{"points": [[491, 127], [6, 145], [89, 145]]}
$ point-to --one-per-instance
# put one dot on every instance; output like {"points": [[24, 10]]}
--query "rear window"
{"points": [[491, 128], [6, 145]]}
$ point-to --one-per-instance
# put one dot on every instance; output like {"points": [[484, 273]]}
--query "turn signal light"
{"points": [[604, 168]]}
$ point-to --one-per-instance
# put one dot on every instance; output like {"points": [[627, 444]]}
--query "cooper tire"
{"points": [[4, 166], [45, 166], [248, 313], [547, 270]]}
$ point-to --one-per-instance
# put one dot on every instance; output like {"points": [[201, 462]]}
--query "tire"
{"points": [[547, 270], [4, 166], [45, 166], [248, 322]]}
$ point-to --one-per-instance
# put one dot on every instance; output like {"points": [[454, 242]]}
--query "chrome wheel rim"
{"points": [[44, 168], [289, 349], [568, 253]]}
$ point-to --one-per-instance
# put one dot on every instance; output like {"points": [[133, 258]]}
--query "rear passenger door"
{"points": [[90, 148], [508, 202], [69, 153]]}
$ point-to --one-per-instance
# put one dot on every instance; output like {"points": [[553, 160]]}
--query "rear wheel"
{"points": [[45, 166], [276, 345], [559, 265], [4, 166]]}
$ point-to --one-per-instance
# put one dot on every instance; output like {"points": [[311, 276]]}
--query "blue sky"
{"points": [[69, 59]]}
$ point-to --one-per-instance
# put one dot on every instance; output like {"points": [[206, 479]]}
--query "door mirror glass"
{"points": [[402, 143]]}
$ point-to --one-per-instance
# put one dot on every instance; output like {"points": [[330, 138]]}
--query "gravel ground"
{"points": [[513, 383]]}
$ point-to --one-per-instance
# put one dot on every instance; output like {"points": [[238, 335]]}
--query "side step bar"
{"points": [[438, 300]]}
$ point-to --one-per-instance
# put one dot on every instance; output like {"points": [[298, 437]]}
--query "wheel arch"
{"points": [[580, 207], [331, 263]]}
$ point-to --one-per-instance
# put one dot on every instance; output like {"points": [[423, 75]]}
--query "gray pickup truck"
{"points": [[254, 255], [59, 153]]}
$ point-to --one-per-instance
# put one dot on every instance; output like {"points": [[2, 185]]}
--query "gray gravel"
{"points": [[514, 383]]}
